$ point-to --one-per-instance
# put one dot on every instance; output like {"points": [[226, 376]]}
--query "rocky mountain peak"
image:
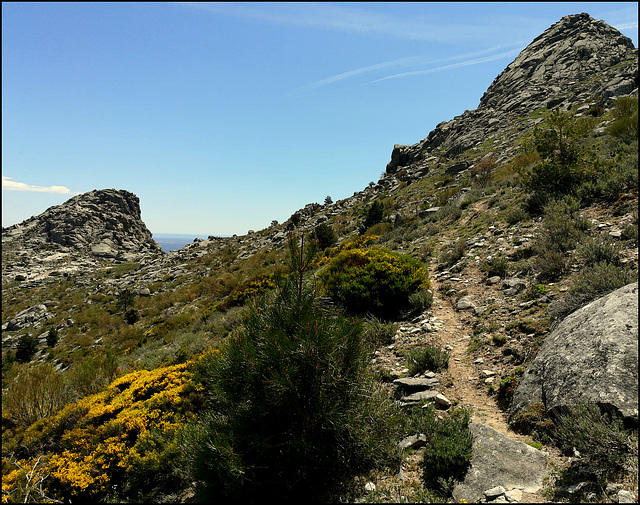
{"points": [[574, 49], [577, 62], [105, 223]]}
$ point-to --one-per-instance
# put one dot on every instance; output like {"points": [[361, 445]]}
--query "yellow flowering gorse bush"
{"points": [[130, 429]]}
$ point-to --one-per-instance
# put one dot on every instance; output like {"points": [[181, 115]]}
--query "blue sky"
{"points": [[222, 117]]}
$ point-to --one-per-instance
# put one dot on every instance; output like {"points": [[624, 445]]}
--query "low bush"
{"points": [[625, 125], [427, 358], [249, 288], [515, 215], [533, 420], [599, 249], [598, 436], [562, 228], [454, 253], [374, 281], [116, 445], [589, 284], [380, 332], [497, 265], [37, 392], [420, 301], [26, 348], [448, 452], [507, 387]]}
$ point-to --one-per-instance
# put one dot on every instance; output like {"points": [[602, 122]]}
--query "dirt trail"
{"points": [[464, 381]]}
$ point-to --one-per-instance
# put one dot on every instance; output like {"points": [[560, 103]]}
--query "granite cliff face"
{"points": [[103, 223], [578, 60]]}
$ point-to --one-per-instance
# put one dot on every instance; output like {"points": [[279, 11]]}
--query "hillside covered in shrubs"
{"points": [[344, 354]]}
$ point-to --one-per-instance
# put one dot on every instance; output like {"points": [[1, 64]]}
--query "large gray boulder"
{"points": [[591, 357], [498, 461]]}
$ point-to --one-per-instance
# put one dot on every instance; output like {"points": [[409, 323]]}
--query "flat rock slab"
{"points": [[420, 395], [499, 461], [416, 384]]}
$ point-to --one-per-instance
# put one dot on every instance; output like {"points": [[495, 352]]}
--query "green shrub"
{"points": [[562, 228], [294, 411], [589, 284], [248, 288], [533, 420], [93, 374], [380, 332], [379, 228], [507, 387], [454, 253], [599, 437], [625, 126], [497, 265], [425, 358], [131, 316], [448, 452], [482, 171], [515, 215], [420, 301], [499, 340], [372, 215], [38, 392], [26, 348], [325, 236], [52, 337], [564, 162], [374, 280], [599, 249], [125, 300], [630, 233], [448, 212]]}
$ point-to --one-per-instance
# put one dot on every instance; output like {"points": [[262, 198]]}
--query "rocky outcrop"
{"points": [[578, 60], [501, 469], [103, 223], [33, 316], [591, 357]]}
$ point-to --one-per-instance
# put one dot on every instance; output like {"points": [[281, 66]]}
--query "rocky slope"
{"points": [[105, 223], [101, 224], [492, 324], [577, 61]]}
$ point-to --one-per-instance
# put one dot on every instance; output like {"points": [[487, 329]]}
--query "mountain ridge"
{"points": [[491, 304]]}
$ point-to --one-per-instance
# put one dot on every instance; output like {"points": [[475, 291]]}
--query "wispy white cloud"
{"points": [[443, 68], [339, 17], [11, 185], [362, 70], [626, 26], [414, 61]]}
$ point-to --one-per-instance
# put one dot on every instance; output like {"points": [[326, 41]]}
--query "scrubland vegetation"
{"points": [[255, 379]]}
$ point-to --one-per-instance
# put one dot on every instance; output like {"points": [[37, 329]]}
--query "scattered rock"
{"points": [[33, 316], [494, 492], [625, 496], [465, 303], [413, 442]]}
